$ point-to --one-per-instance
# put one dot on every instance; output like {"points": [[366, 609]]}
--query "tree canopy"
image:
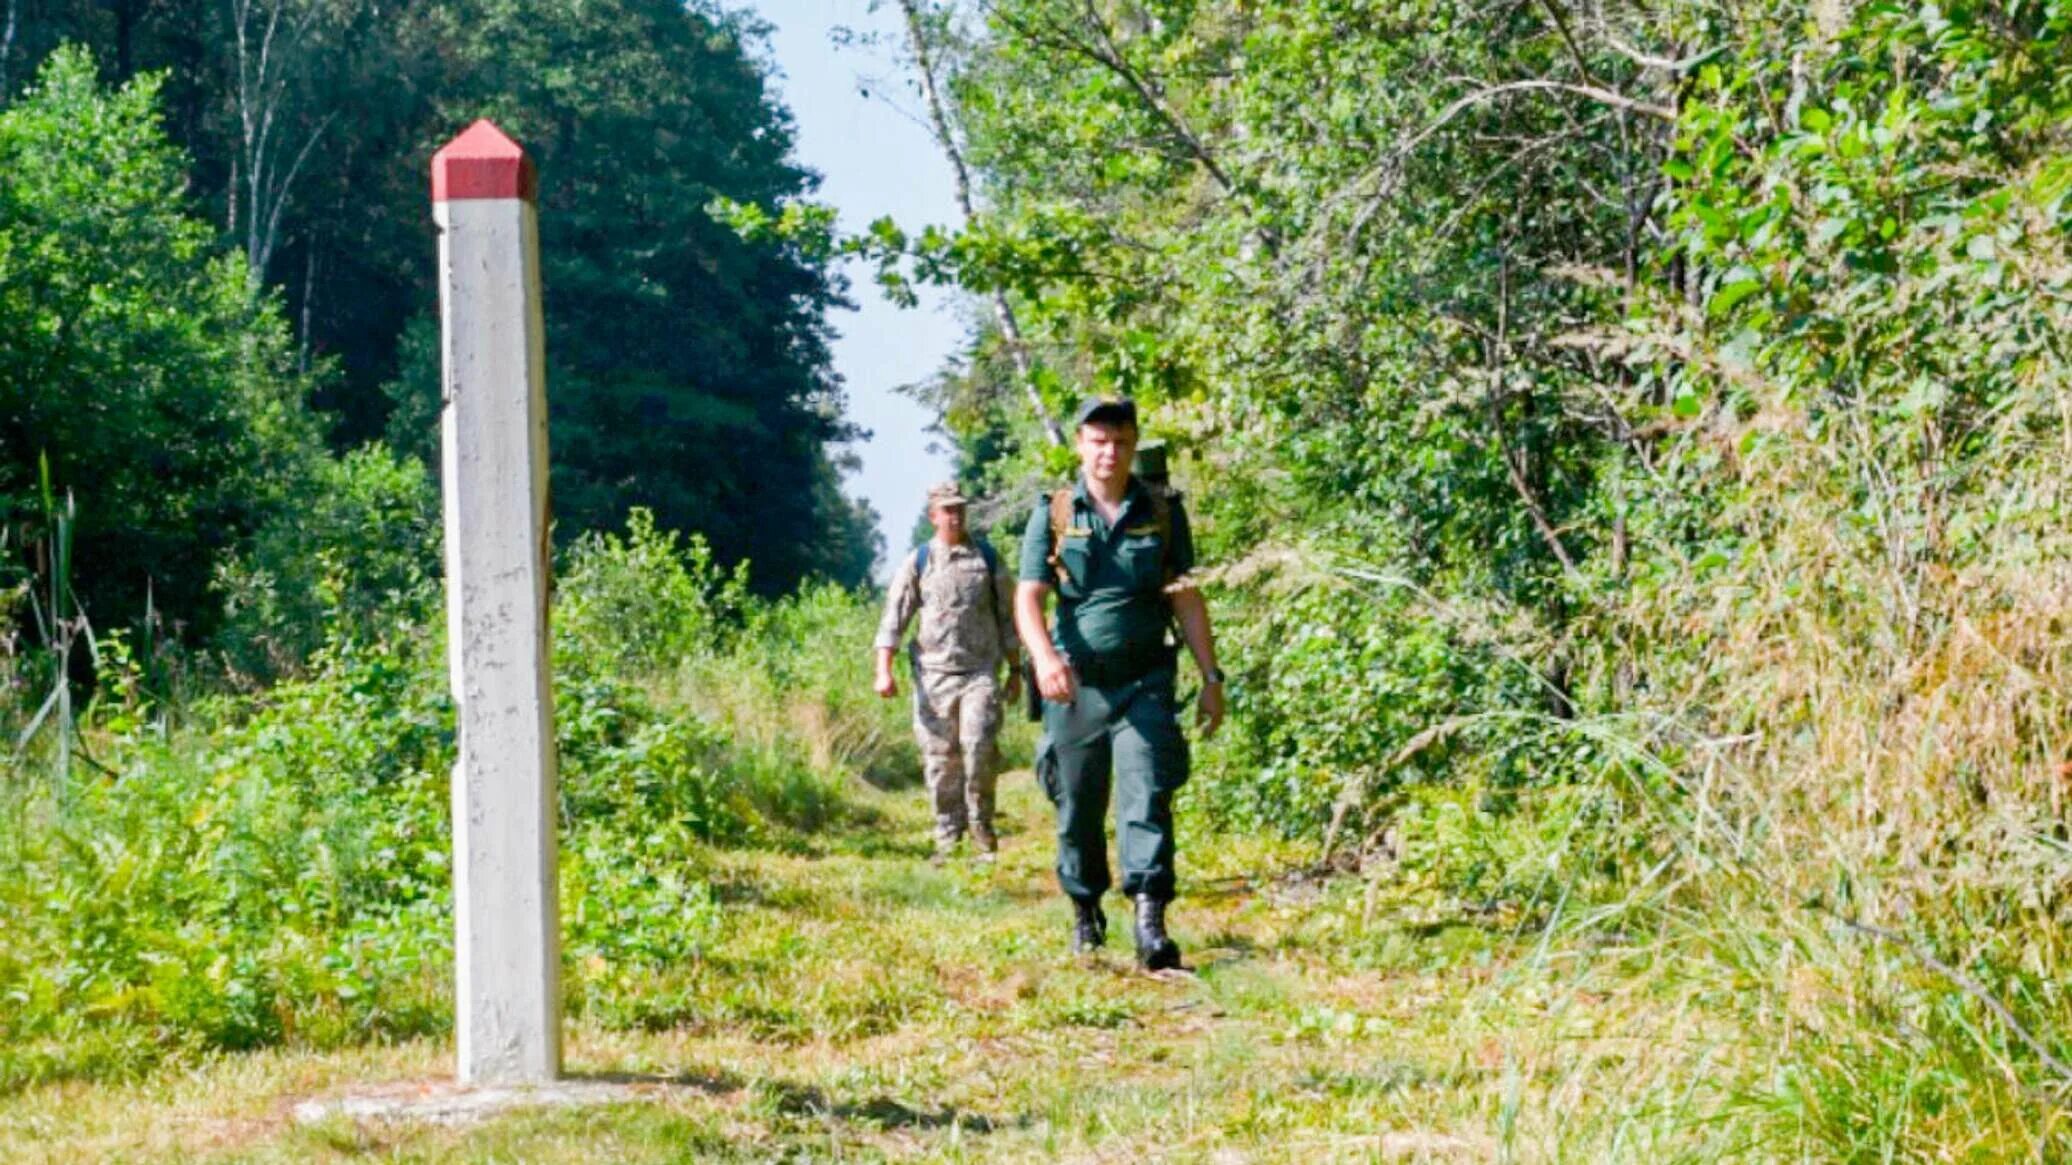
{"points": [[138, 368], [1531, 313], [225, 265]]}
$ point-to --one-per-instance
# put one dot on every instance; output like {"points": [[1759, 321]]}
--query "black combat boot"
{"points": [[1155, 950], [1089, 925]]}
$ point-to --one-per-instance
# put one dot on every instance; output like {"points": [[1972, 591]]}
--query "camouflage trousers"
{"points": [[957, 724]]}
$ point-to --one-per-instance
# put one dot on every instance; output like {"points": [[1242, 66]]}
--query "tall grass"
{"points": [[1823, 830], [273, 868], [1875, 748], [799, 671], [1863, 682], [778, 675]]}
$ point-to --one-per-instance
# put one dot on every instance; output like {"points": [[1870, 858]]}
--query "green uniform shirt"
{"points": [[1112, 610]]}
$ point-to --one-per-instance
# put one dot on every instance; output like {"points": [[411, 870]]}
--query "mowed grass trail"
{"points": [[856, 1003]]}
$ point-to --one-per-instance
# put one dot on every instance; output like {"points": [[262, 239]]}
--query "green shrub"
{"points": [[799, 672], [774, 681], [360, 550], [1347, 690], [644, 601], [276, 869], [137, 360]]}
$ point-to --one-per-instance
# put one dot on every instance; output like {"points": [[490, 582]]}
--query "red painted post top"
{"points": [[482, 163]]}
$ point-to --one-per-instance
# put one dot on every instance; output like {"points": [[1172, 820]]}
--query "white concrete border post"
{"points": [[507, 918]]}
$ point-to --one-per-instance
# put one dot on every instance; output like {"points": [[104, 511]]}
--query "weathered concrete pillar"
{"points": [[507, 949]]}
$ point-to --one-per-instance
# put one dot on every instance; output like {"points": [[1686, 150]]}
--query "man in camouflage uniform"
{"points": [[966, 608]]}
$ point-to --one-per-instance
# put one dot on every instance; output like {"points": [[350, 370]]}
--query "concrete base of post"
{"points": [[446, 1103]]}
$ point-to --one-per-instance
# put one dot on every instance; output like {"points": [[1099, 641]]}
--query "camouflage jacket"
{"points": [[963, 629]]}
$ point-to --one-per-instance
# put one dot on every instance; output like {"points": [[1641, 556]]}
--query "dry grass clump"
{"points": [[1870, 697]]}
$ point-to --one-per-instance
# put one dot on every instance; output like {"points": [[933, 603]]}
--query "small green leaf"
{"points": [[1726, 297]]}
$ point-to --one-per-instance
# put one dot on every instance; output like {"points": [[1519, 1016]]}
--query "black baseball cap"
{"points": [[1107, 410]]}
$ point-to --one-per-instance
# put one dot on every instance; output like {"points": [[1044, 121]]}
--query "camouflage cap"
{"points": [[1107, 410], [946, 493]]}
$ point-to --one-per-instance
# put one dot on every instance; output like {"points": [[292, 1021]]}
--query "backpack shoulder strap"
{"points": [[920, 562], [1162, 518], [991, 558], [1060, 521]]}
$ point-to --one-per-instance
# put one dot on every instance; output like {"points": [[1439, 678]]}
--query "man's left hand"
{"points": [[1209, 713]]}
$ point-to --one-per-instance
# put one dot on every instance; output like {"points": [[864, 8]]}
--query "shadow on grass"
{"points": [[892, 774], [1220, 889], [710, 1083], [882, 1112], [1221, 949], [883, 843]]}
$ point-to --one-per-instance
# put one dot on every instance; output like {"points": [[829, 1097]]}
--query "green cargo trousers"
{"points": [[1127, 735]]}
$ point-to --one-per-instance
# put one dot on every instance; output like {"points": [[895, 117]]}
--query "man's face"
{"points": [[1105, 450], [948, 522]]}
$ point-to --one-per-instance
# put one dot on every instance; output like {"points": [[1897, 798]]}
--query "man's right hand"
{"points": [[1055, 680], [886, 685]]}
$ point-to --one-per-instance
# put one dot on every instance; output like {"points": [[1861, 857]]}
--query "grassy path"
{"points": [[858, 1004]]}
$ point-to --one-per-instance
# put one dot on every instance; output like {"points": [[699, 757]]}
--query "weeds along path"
{"points": [[857, 1003]]}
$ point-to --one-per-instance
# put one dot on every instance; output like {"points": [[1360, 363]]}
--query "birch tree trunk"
{"points": [[946, 137], [14, 12], [263, 59]]}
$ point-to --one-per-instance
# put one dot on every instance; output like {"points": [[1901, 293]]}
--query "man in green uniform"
{"points": [[1118, 553]]}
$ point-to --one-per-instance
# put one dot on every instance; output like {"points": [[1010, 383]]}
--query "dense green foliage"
{"points": [[688, 369], [276, 869], [225, 262], [187, 864], [135, 364], [1644, 423]]}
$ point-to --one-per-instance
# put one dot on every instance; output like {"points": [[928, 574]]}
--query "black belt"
{"points": [[1117, 673]]}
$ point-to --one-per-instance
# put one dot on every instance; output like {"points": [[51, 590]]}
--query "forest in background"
{"points": [[201, 195]]}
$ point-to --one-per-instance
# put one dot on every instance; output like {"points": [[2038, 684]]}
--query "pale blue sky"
{"points": [[876, 157]]}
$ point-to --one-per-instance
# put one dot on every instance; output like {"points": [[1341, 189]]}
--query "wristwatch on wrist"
{"points": [[1214, 676]]}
